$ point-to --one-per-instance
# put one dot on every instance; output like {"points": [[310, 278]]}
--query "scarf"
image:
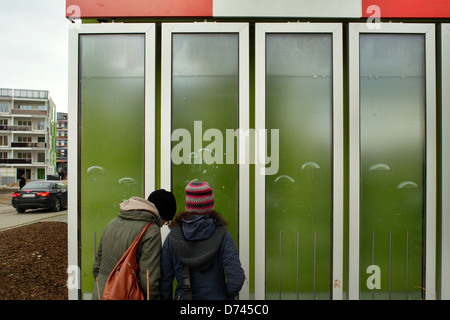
{"points": [[198, 255]]}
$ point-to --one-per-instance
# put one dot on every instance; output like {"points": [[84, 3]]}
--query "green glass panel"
{"points": [[392, 111], [111, 135], [299, 196], [205, 92], [41, 173]]}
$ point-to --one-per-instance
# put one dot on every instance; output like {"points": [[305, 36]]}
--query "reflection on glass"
{"points": [[298, 199], [111, 134], [392, 151], [205, 91]]}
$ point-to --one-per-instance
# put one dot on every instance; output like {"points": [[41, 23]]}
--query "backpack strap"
{"points": [[186, 283]]}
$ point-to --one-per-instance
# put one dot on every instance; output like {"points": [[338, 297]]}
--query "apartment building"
{"points": [[27, 135], [61, 141]]}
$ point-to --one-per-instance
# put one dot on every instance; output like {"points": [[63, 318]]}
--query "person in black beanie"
{"points": [[121, 231], [165, 202]]}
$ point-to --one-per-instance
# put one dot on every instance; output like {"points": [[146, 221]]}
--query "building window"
{"points": [[41, 173], [3, 155], [3, 122], [6, 92], [3, 107], [41, 157], [63, 153], [24, 155], [24, 123], [23, 107], [23, 139], [3, 140]]}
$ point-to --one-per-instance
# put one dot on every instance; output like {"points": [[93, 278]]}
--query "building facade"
{"points": [[61, 142], [27, 135], [320, 125]]}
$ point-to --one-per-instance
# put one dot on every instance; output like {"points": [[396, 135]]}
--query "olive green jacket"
{"points": [[118, 235]]}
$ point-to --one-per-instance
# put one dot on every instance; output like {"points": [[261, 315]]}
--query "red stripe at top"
{"points": [[138, 8], [406, 8]]}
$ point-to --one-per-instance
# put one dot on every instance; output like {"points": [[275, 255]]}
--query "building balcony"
{"points": [[15, 128], [22, 128], [30, 94], [28, 145], [30, 112], [15, 161]]}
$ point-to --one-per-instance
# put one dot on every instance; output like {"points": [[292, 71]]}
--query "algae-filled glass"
{"points": [[392, 152], [111, 134], [205, 95], [299, 103]]}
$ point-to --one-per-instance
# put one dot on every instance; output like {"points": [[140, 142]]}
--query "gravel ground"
{"points": [[33, 262]]}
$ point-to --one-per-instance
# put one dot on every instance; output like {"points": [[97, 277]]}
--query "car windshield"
{"points": [[37, 185]]}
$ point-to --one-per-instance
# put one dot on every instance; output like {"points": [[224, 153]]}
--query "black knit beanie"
{"points": [[165, 202]]}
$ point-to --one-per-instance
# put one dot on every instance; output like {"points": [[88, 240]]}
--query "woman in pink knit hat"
{"points": [[199, 252]]}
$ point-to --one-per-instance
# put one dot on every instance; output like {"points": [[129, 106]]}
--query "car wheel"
{"points": [[20, 210], [57, 205]]}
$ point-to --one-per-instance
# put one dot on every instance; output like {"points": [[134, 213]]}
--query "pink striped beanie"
{"points": [[199, 197]]}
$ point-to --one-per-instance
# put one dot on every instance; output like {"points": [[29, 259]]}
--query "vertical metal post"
{"points": [[279, 268], [407, 264], [390, 263], [373, 259], [315, 246], [95, 244], [297, 264]]}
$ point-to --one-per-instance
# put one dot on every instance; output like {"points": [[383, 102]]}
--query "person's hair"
{"points": [[217, 218]]}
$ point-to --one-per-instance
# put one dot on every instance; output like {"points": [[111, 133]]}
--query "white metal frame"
{"points": [[244, 119], [149, 165], [445, 72], [355, 29], [338, 146]]}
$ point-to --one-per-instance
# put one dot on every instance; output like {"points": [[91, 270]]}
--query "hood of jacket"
{"points": [[197, 229], [137, 208]]}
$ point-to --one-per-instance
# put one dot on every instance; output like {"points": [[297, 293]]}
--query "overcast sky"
{"points": [[34, 47]]}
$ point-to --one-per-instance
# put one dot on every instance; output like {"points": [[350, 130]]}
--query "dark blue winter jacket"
{"points": [[224, 277]]}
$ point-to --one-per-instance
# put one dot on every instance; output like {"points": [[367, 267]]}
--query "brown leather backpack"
{"points": [[123, 282]]}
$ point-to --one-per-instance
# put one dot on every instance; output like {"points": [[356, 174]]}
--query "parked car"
{"points": [[40, 194]]}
